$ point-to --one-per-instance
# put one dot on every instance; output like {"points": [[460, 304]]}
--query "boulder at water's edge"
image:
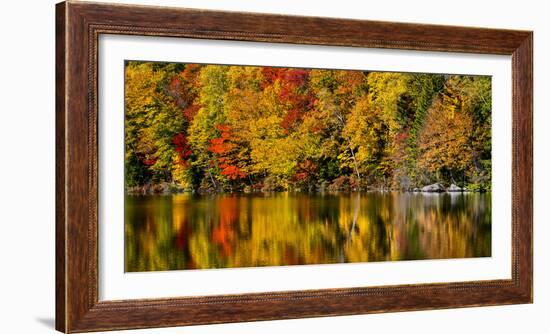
{"points": [[433, 188], [454, 188]]}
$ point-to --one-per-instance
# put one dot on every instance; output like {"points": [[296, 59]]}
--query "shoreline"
{"points": [[315, 192]]}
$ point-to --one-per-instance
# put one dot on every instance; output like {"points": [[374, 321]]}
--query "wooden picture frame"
{"points": [[78, 25]]}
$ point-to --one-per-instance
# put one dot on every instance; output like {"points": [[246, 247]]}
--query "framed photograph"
{"points": [[223, 167]]}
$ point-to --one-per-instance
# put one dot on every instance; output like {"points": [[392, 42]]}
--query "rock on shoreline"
{"points": [[439, 188], [433, 188], [454, 188], [167, 188]]}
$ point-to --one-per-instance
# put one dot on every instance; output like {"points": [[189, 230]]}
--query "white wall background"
{"points": [[27, 69]]}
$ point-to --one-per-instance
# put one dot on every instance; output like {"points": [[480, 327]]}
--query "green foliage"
{"points": [[243, 128]]}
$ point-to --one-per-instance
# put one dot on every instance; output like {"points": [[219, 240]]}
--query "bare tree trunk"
{"points": [[212, 180], [340, 119], [354, 162], [452, 177]]}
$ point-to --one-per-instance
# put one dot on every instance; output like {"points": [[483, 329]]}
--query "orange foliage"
{"points": [[223, 147]]}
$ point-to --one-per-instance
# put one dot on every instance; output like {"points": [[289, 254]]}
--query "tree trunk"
{"points": [[212, 180], [354, 162]]}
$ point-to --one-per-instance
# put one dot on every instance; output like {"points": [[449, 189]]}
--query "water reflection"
{"points": [[186, 231]]}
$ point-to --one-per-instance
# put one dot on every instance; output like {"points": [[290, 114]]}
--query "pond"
{"points": [[187, 231]]}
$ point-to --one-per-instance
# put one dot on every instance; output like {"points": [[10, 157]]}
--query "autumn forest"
{"points": [[218, 128]]}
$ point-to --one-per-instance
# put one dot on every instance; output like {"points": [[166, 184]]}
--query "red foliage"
{"points": [[291, 81], [287, 76], [149, 162], [349, 81], [175, 84], [216, 142], [301, 103], [291, 118], [177, 90], [190, 112], [225, 130], [190, 72], [182, 147], [305, 170], [232, 172], [223, 147], [272, 74], [401, 137], [297, 77], [182, 88]]}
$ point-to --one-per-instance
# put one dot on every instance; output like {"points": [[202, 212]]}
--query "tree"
{"points": [[213, 88], [226, 150], [152, 120], [445, 140], [247, 128]]}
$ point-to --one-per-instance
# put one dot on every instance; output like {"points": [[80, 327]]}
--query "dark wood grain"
{"points": [[522, 166], [78, 27], [60, 256]]}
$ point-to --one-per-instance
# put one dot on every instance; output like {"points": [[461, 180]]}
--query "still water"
{"points": [[186, 231]]}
